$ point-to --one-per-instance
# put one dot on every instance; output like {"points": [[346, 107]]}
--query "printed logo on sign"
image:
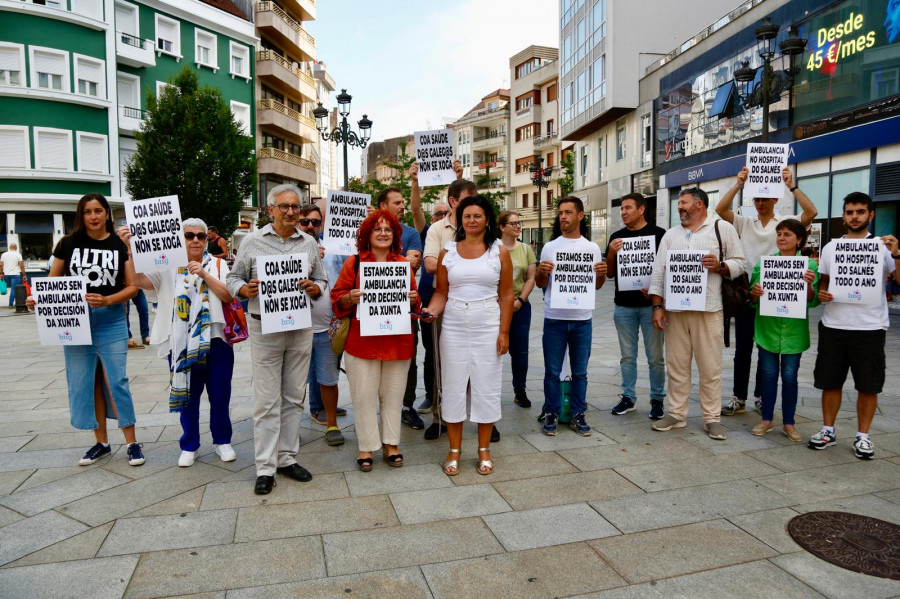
{"points": [[764, 189], [782, 309], [163, 260], [686, 302], [64, 337], [572, 301], [287, 321], [854, 295], [637, 284], [386, 326], [346, 247]]}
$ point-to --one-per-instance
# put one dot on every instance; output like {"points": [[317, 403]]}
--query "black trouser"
{"points": [[428, 366], [409, 397], [744, 329]]}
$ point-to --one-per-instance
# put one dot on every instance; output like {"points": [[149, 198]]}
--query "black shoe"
{"points": [[656, 409], [297, 472], [264, 485], [624, 406], [94, 453], [495, 435], [434, 432], [522, 399], [411, 418]]}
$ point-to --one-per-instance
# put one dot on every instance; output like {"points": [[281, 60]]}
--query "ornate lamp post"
{"points": [[342, 133], [540, 176]]}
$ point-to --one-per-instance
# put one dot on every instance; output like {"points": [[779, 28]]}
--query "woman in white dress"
{"points": [[475, 294]]}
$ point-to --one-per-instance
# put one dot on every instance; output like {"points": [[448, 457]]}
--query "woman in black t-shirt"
{"points": [[95, 374]]}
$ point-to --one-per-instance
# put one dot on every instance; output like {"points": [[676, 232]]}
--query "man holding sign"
{"points": [[629, 258], [280, 360], [855, 321], [692, 331]]}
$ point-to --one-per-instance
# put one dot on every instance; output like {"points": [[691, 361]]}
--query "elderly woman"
{"points": [[189, 331], [377, 366]]}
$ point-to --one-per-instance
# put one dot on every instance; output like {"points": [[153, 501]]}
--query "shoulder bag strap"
{"points": [[719, 239]]}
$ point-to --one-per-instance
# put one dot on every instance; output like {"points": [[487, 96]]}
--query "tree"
{"points": [[191, 146], [567, 179], [496, 198]]}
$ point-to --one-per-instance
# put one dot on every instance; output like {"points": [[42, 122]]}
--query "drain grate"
{"points": [[858, 543]]}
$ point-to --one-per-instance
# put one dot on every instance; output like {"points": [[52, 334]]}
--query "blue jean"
{"points": [[519, 330], [576, 335], [769, 365], [140, 302], [11, 282], [215, 377], [323, 370], [628, 322], [106, 355]]}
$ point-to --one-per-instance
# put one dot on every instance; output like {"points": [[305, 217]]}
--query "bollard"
{"points": [[21, 294]]}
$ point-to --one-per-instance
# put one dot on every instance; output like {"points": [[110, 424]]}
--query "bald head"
{"points": [[13, 246]]}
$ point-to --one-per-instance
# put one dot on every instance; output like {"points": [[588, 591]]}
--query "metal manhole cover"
{"points": [[851, 541]]}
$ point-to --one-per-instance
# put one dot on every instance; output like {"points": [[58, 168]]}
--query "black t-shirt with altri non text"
{"points": [[100, 261]]}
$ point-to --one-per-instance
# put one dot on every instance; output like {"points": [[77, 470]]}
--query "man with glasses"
{"points": [[280, 360], [757, 234]]}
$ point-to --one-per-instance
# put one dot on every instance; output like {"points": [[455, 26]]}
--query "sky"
{"points": [[411, 64]]}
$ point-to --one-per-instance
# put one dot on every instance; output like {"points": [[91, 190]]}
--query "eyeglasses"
{"points": [[285, 208], [387, 231], [514, 224], [439, 214], [191, 235], [305, 222]]}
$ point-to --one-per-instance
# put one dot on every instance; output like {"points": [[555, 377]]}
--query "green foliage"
{"points": [[496, 198], [191, 146], [567, 179]]}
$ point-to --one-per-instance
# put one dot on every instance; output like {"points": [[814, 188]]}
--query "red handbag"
{"points": [[235, 319]]}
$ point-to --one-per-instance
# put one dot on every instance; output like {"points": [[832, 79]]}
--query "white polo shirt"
{"points": [[758, 240]]}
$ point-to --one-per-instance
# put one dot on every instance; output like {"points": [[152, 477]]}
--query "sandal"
{"points": [[454, 464], [489, 464], [365, 464]]}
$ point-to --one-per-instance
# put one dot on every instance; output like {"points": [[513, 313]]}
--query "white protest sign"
{"points": [[344, 214], [434, 153], [635, 263], [573, 281], [62, 311], [283, 305], [686, 280], [784, 290], [384, 307], [765, 163], [157, 241], [814, 241], [857, 275]]}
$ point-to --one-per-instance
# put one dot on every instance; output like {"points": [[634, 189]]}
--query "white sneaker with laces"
{"points": [[187, 458], [225, 452]]}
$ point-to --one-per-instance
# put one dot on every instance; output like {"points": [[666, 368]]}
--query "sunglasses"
{"points": [[305, 222], [190, 236]]}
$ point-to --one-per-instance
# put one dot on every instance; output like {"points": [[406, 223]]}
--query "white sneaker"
{"points": [[187, 458], [225, 452]]}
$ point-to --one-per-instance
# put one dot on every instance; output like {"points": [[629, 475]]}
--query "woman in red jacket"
{"points": [[377, 366]]}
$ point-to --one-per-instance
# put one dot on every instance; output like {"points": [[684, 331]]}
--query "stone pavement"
{"points": [[627, 512]]}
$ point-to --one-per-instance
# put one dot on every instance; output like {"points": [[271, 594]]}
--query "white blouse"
{"points": [[472, 279]]}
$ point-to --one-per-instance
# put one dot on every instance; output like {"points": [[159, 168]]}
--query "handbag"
{"points": [[235, 318], [2, 286], [735, 291], [339, 328]]}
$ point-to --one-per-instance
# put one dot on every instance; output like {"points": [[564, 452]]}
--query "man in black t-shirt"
{"points": [[634, 311]]}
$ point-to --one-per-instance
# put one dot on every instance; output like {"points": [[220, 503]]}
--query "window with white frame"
{"points": [[646, 140], [49, 69], [88, 8], [12, 64], [240, 60], [205, 49], [89, 76], [50, 3], [168, 36], [601, 158], [584, 164], [127, 20], [620, 140], [15, 151], [53, 149], [93, 153], [128, 88], [241, 114]]}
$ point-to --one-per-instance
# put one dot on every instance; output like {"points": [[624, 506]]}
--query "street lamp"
{"points": [[342, 133], [757, 88], [538, 174]]}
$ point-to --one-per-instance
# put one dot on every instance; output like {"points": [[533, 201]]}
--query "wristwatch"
{"points": [[721, 266], [524, 301], [658, 307], [793, 189]]}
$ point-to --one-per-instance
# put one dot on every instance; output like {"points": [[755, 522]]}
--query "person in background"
{"points": [[217, 245], [13, 271], [143, 310]]}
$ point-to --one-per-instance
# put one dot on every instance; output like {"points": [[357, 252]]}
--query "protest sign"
{"points": [[344, 214], [157, 241], [283, 305], [857, 275], [384, 307], [635, 262], [765, 163], [573, 281], [434, 153], [62, 311], [686, 280], [814, 240], [784, 290]]}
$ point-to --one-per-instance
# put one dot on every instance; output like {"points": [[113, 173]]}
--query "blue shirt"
{"points": [[410, 240]]}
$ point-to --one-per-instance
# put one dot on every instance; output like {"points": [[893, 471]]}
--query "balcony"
{"points": [[543, 141], [132, 51], [307, 8], [278, 162], [285, 30], [130, 119], [293, 124], [528, 114], [483, 118], [487, 142], [497, 167], [282, 74]]}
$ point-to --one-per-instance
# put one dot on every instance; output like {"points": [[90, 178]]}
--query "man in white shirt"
{"points": [[567, 328], [852, 335], [757, 235], [13, 271], [695, 334]]}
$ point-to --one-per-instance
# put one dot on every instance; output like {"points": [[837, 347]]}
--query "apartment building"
{"points": [[376, 153], [74, 76], [482, 143]]}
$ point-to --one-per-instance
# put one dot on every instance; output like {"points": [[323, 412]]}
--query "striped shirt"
{"points": [[266, 242], [703, 239]]}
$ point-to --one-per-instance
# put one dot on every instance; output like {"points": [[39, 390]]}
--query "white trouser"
{"points": [[469, 361], [370, 380]]}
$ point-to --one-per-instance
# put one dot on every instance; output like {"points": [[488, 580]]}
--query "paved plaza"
{"points": [[626, 512]]}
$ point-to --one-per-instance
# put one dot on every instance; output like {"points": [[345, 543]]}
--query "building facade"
{"points": [[482, 141], [326, 155], [74, 79], [376, 153]]}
